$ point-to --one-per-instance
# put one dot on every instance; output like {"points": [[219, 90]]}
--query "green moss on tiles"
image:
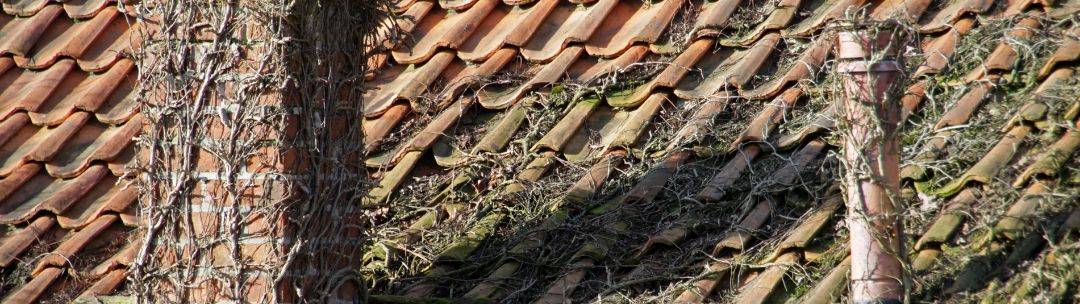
{"points": [[612, 232], [969, 142]]}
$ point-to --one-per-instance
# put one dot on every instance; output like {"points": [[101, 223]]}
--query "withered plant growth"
{"points": [[868, 109], [248, 171]]}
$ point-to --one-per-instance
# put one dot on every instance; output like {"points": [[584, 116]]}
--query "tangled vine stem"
{"points": [[248, 168], [871, 71]]}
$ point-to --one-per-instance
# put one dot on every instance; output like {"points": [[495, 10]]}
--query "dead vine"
{"points": [[248, 176]]}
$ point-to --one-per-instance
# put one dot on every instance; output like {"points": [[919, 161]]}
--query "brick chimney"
{"points": [[248, 182]]}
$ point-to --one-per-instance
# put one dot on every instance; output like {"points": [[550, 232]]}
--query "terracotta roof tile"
{"points": [[108, 195], [500, 134], [67, 38], [87, 8], [500, 98], [590, 183], [116, 41], [809, 63], [829, 11], [16, 242], [67, 117], [88, 95], [376, 129], [22, 33], [565, 24], [30, 292], [812, 223], [118, 261], [636, 123], [32, 143], [941, 49], [74, 8], [948, 15], [734, 243], [462, 75], [822, 122], [610, 131], [24, 7], [780, 17], [1051, 161], [723, 69], [1064, 9], [1004, 55], [997, 158], [411, 13], [668, 78], [106, 284], [589, 69], [456, 4], [717, 186], [732, 71], [714, 17], [910, 10], [966, 106], [760, 128], [693, 130], [764, 284], [45, 193], [74, 243], [631, 22], [561, 133], [95, 142], [505, 26], [28, 89], [1069, 51], [650, 185], [436, 128], [947, 223], [405, 83], [442, 29], [402, 5]]}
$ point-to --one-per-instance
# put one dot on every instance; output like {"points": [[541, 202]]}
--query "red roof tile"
{"points": [[505, 26], [565, 24], [67, 114], [442, 29], [494, 98], [948, 15], [534, 48], [67, 120], [631, 22]]}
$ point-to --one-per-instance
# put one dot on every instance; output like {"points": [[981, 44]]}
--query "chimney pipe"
{"points": [[870, 68]]}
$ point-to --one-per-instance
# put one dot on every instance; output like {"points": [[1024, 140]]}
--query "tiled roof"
{"points": [[668, 77], [67, 120]]}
